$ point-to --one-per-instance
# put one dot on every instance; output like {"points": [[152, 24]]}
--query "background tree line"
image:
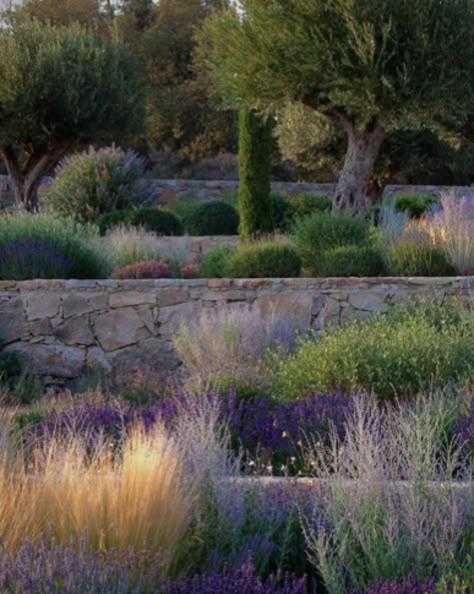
{"points": [[186, 123]]}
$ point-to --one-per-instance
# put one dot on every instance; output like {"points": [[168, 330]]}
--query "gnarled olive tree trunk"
{"points": [[25, 179], [363, 146]]}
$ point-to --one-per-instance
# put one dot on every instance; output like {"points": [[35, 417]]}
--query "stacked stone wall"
{"points": [[63, 328]]}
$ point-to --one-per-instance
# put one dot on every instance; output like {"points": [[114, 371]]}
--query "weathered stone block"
{"points": [[51, 359], [368, 301], [13, 324], [42, 304], [130, 298], [173, 316], [80, 304], [294, 306], [157, 353], [75, 332], [119, 328], [172, 296]]}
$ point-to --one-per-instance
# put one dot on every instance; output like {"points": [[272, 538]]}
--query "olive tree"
{"points": [[370, 66], [60, 87]]}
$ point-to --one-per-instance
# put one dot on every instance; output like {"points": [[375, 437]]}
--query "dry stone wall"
{"points": [[63, 328], [174, 189]]}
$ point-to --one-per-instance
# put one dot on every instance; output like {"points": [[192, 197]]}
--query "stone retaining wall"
{"points": [[173, 189], [61, 328]]}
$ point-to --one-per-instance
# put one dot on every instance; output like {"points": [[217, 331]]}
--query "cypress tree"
{"points": [[255, 154]]}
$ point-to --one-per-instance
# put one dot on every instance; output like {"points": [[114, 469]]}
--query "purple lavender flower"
{"points": [[31, 257], [407, 586], [464, 431], [75, 569], [243, 581]]}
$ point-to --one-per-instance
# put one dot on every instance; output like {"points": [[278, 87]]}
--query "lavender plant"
{"points": [[75, 569], [40, 246]]}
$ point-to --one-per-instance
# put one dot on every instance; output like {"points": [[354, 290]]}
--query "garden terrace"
{"points": [[62, 328]]}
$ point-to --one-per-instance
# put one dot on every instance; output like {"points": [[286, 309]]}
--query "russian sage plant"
{"points": [[454, 223], [396, 498]]}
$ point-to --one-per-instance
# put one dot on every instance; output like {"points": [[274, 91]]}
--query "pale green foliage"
{"points": [[413, 348], [387, 59], [61, 83], [389, 507]]}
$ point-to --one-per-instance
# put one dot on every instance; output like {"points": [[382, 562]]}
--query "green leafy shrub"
{"points": [[349, 260], [414, 204], [91, 183], [21, 385], [415, 347], [213, 218], [281, 211], [264, 260], [10, 367], [41, 246], [114, 218], [156, 221], [412, 258], [323, 231], [214, 263], [286, 211], [304, 205]]}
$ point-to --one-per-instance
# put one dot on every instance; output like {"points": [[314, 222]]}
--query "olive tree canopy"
{"points": [[371, 66], [60, 87]]}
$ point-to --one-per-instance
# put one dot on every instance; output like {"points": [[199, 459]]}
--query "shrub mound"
{"points": [[156, 221], [415, 204], [40, 246], [91, 183], [415, 347], [213, 218], [143, 269], [323, 231], [214, 263], [264, 260], [349, 260]]}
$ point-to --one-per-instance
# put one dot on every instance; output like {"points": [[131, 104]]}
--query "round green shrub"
{"points": [[349, 260], [41, 246], [415, 204], [156, 221], [264, 260], [322, 231], [414, 348], [214, 263], [91, 183], [411, 258], [281, 211], [114, 218], [213, 218]]}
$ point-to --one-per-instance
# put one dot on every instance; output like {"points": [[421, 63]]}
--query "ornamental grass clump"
{"points": [[128, 245], [414, 347], [397, 499], [453, 224], [41, 246], [226, 347]]}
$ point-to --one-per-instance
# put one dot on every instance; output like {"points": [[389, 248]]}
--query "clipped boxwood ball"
{"points": [[213, 218], [111, 219], [156, 221]]}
